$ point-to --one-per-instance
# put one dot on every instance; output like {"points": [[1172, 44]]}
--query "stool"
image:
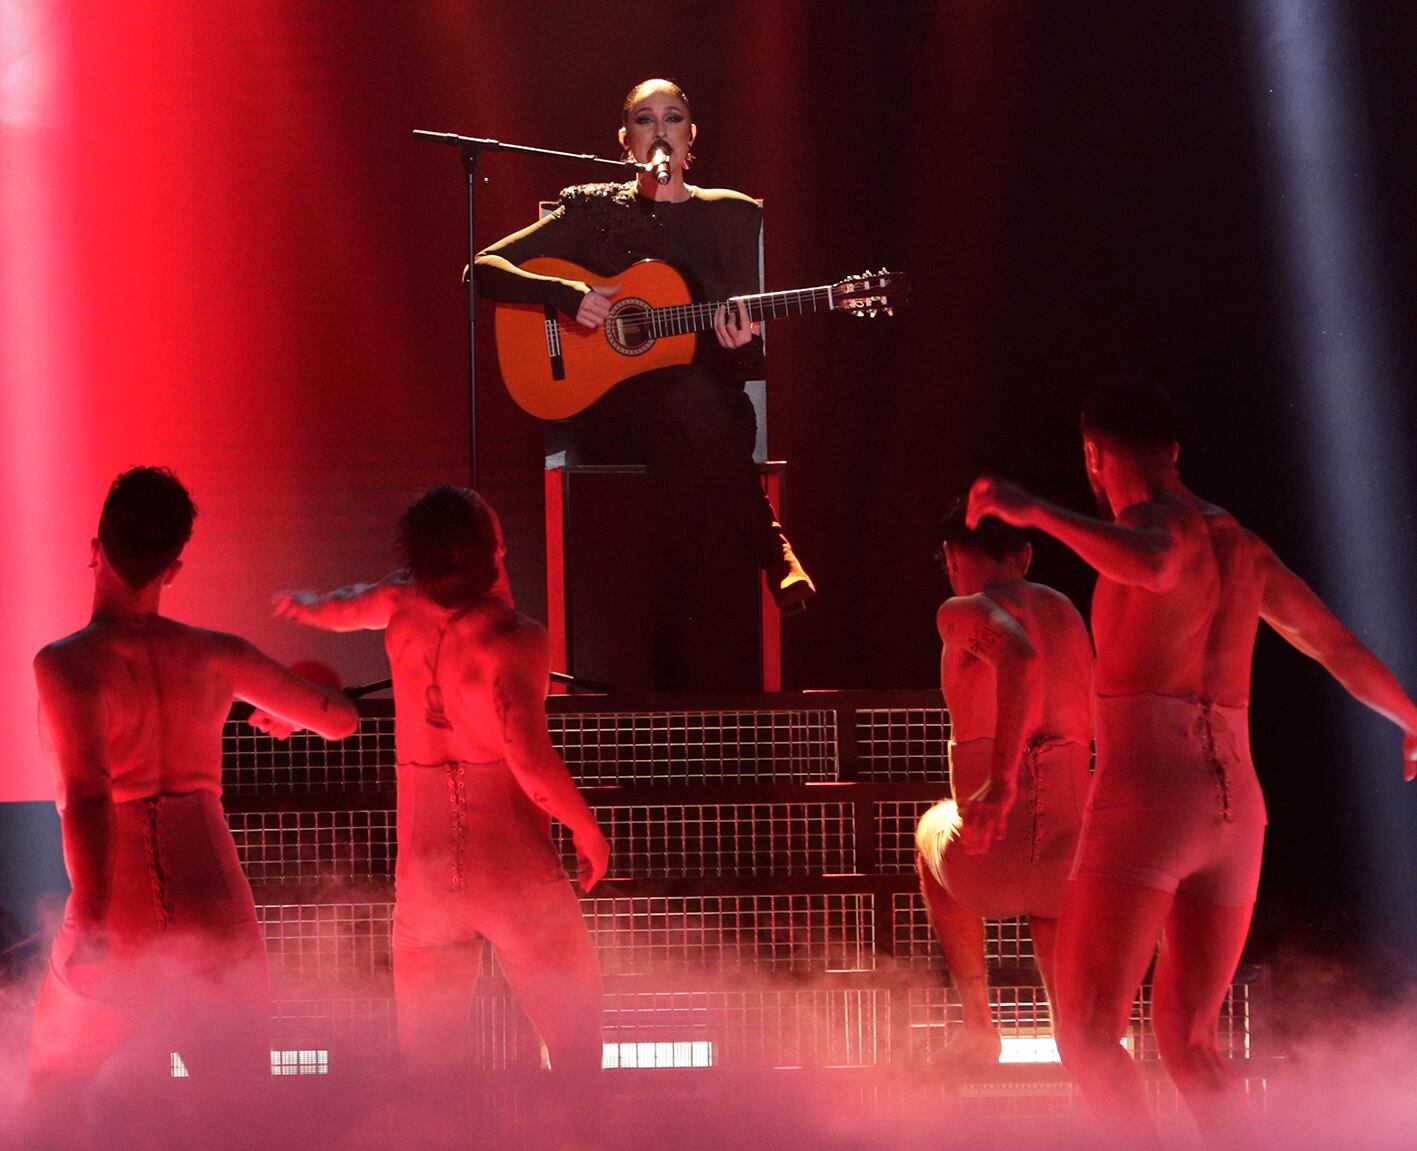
{"points": [[629, 551]]}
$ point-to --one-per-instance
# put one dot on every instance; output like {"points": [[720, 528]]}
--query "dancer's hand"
{"points": [[1000, 498], [83, 969], [595, 305], [272, 725], [986, 816], [734, 332], [293, 605], [593, 854]]}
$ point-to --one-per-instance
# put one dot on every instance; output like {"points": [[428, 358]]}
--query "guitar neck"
{"points": [[679, 319]]}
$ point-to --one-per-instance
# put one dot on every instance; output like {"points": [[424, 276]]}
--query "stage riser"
{"points": [[762, 934], [751, 1028], [881, 737], [761, 905]]}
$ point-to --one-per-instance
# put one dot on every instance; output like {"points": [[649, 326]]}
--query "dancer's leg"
{"points": [[1107, 935]]}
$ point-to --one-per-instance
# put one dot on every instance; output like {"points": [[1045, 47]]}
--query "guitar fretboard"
{"points": [[679, 319]]}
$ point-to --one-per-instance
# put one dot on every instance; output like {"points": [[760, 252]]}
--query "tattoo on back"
{"points": [[985, 642]]}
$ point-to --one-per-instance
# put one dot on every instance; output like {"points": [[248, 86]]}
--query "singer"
{"points": [[692, 425]]}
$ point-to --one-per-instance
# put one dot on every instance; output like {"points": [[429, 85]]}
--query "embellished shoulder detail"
{"points": [[614, 229], [621, 194]]}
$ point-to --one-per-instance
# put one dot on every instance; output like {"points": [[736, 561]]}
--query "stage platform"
{"points": [[761, 909]]}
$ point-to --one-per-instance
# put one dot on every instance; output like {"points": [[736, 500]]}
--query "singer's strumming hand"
{"points": [[595, 304]]}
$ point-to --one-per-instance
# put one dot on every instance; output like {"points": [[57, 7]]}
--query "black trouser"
{"points": [[711, 527]]}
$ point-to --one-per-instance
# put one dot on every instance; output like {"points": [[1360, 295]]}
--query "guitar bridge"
{"points": [[553, 345]]}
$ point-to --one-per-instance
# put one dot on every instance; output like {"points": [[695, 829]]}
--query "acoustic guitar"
{"points": [[554, 368]]}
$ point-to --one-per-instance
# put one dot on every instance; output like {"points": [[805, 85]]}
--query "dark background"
{"points": [[1075, 188]]}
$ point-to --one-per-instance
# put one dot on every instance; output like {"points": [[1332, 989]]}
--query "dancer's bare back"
{"points": [[135, 707], [461, 676], [976, 630], [469, 686], [1151, 637]]}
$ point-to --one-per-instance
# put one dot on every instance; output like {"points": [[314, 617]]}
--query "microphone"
{"points": [[659, 161]]}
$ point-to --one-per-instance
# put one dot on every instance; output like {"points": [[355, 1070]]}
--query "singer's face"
{"points": [[659, 115]]}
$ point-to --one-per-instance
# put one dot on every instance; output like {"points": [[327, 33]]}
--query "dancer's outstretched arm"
{"points": [[359, 607], [1293, 609], [1145, 546]]}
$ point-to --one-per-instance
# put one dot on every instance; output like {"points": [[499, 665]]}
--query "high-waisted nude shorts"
{"points": [[475, 856], [1176, 804], [1027, 871]]}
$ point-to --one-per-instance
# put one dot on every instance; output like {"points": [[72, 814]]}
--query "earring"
{"points": [[689, 159]]}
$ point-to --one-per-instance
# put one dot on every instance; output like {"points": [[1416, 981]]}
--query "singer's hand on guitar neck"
{"points": [[734, 331], [595, 305]]}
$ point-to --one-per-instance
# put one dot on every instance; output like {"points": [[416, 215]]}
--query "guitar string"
{"points": [[680, 319], [764, 306]]}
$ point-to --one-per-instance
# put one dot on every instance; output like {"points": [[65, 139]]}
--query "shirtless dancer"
{"points": [[1016, 673], [131, 711], [1172, 837], [478, 783]]}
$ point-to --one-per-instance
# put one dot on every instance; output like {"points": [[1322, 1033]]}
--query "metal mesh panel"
{"points": [[1023, 1013], [681, 747], [354, 1026], [1006, 941], [904, 744], [725, 839], [500, 1036], [935, 1014], [327, 943], [254, 763], [733, 933], [822, 1027], [895, 834], [305, 846], [350, 942], [1234, 1037]]}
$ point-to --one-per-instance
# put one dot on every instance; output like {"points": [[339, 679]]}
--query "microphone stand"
{"points": [[472, 148]]}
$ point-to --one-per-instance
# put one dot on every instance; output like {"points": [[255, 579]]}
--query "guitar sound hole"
{"points": [[627, 328]]}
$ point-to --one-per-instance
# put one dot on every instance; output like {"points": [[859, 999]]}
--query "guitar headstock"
{"points": [[871, 293]]}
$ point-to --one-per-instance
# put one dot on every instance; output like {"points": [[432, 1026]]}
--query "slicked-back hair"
{"points": [[636, 94], [1134, 411], [145, 523], [448, 542], [996, 539]]}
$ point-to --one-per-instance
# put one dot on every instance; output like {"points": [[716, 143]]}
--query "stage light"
{"points": [[38, 328], [283, 1063], [300, 1063], [1042, 1049], [1343, 362], [681, 1053]]}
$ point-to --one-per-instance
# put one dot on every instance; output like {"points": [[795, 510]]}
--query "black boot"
{"points": [[788, 581]]}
